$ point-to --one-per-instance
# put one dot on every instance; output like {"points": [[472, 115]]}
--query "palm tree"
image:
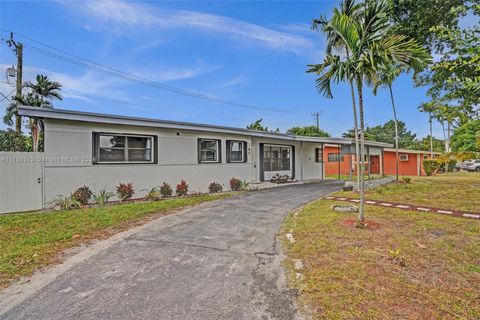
{"points": [[39, 95], [367, 39], [385, 77], [429, 108], [334, 41]]}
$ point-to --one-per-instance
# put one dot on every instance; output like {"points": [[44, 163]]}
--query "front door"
{"points": [[374, 164], [276, 159]]}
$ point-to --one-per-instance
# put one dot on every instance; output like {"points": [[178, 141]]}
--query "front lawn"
{"points": [[407, 266], [29, 241], [456, 191]]}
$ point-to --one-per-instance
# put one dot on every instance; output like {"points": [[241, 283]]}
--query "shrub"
{"points": [[430, 166], [64, 202], [235, 184], [166, 190], [125, 191], [82, 195], [101, 198], [152, 194], [451, 165], [182, 188], [407, 179], [215, 187]]}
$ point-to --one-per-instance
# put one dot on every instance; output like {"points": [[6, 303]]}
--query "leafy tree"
{"points": [[11, 140], [386, 133], [310, 131], [437, 145], [467, 137], [430, 109], [258, 126], [370, 45]]}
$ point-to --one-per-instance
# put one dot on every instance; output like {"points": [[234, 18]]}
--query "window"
{"points": [[319, 155], [116, 148], [425, 156], [403, 157], [209, 151], [236, 151], [333, 157], [276, 158]]}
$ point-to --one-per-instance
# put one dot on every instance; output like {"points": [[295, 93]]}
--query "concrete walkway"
{"points": [[219, 260]]}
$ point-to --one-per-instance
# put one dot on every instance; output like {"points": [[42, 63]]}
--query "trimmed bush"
{"points": [[430, 166], [182, 188], [125, 191], [166, 190], [82, 195], [215, 187], [235, 184]]}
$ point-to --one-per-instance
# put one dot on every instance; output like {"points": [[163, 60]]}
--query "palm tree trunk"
{"points": [[355, 130], [361, 213], [444, 136], [431, 135], [396, 131], [34, 129], [448, 135], [18, 123]]}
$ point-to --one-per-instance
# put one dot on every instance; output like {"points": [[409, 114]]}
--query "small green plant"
{"points": [[407, 179], [64, 202], [235, 184], [182, 188], [102, 197], [395, 257], [166, 190], [125, 191], [215, 187], [430, 166], [152, 195], [82, 195]]}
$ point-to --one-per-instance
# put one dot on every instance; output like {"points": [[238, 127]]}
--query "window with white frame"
{"points": [[236, 151], [403, 157], [118, 148], [209, 151]]}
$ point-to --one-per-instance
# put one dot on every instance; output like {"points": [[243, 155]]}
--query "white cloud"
{"points": [[231, 82], [112, 15]]}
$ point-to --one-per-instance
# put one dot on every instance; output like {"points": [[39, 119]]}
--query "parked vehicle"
{"points": [[474, 165], [463, 165]]}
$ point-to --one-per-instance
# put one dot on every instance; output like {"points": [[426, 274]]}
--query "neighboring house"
{"points": [[100, 150], [337, 161]]}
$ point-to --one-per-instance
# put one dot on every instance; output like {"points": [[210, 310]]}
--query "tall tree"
{"points": [[386, 133], [467, 137], [335, 42], [258, 126], [40, 94], [429, 108], [310, 131], [366, 38]]}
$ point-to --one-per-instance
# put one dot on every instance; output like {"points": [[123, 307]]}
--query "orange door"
{"points": [[375, 164]]}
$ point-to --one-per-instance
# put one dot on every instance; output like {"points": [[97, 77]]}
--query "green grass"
{"points": [[456, 191], [354, 273], [29, 241], [354, 177]]}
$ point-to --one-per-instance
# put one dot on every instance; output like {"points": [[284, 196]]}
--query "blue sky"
{"points": [[250, 52]]}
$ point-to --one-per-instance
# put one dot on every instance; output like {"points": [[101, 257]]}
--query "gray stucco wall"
{"points": [[68, 163]]}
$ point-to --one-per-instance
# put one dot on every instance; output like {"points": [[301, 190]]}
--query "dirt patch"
{"points": [[350, 222]]}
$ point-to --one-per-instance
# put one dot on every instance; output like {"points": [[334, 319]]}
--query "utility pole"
{"points": [[316, 116], [18, 50]]}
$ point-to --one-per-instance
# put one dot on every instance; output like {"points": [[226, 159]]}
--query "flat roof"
{"points": [[72, 115], [410, 151]]}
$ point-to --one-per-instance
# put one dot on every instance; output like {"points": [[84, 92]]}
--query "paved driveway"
{"points": [[219, 260]]}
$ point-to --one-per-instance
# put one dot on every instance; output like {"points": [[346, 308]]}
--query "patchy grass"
{"points": [[458, 191], [29, 241], [410, 266]]}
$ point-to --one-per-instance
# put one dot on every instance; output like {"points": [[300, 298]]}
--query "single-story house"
{"points": [[377, 161], [102, 150]]}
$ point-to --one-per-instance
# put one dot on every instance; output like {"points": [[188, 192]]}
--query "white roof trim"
{"points": [[72, 115]]}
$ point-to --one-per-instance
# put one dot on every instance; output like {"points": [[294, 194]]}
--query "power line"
{"points": [[92, 65]]}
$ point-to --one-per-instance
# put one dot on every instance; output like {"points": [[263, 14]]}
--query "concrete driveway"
{"points": [[219, 260]]}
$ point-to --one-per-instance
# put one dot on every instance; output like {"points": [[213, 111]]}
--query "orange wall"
{"points": [[406, 168]]}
